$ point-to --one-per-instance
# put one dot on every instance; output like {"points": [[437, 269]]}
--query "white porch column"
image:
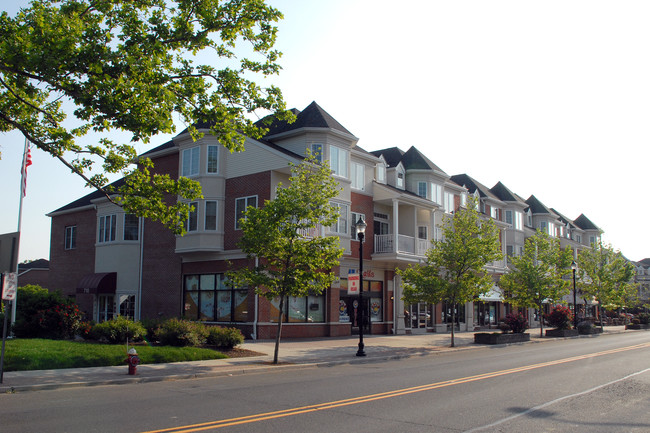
{"points": [[395, 224]]}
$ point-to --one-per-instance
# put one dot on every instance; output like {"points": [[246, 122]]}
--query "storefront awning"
{"points": [[96, 284]]}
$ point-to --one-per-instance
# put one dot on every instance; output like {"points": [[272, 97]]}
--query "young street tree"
{"points": [[292, 259], [71, 67], [454, 269], [537, 275], [606, 276]]}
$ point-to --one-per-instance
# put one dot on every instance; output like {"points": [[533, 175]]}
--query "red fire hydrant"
{"points": [[133, 360]]}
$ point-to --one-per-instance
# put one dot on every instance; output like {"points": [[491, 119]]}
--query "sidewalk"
{"points": [[293, 354]]}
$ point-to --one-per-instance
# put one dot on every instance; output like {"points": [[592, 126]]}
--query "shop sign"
{"points": [[353, 284]]}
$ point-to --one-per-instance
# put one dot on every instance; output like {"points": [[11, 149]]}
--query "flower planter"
{"points": [[639, 326], [592, 330], [499, 338], [561, 332]]}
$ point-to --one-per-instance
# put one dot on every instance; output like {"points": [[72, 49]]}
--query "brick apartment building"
{"points": [[115, 263]]}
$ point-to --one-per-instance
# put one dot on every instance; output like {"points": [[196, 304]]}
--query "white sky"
{"points": [[550, 97]]}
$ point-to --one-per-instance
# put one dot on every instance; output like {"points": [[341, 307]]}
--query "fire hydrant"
{"points": [[133, 360]]}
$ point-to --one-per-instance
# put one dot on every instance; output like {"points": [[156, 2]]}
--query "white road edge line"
{"points": [[533, 409]]}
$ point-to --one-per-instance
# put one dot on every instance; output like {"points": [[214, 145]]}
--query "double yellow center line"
{"points": [[384, 395]]}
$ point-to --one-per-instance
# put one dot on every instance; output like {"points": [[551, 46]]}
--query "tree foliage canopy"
{"points": [[538, 274], [606, 276], [72, 67], [293, 259], [454, 269]]}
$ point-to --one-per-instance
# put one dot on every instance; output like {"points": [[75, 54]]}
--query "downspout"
{"points": [[138, 299]]}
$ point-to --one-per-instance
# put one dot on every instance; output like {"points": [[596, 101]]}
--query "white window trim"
{"points": [[207, 159], [342, 168], [346, 217], [354, 217], [358, 176], [195, 205], [216, 216], [112, 234], [193, 171], [246, 199], [73, 238]]}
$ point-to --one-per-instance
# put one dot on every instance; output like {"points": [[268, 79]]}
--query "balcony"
{"points": [[384, 244]]}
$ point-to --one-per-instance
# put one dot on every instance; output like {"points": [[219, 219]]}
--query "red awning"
{"points": [[100, 283]]}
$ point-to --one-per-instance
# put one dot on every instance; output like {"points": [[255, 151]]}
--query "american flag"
{"points": [[27, 161]]}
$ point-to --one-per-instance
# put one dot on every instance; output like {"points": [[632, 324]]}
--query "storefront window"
{"points": [[201, 292], [309, 309], [127, 306], [447, 312]]}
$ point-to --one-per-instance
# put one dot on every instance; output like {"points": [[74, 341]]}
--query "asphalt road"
{"points": [[579, 385]]}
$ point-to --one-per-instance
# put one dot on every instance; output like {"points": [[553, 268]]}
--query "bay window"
{"points": [[339, 161]]}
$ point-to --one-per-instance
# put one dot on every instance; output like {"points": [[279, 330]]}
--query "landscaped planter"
{"points": [[561, 332], [639, 326], [592, 330], [500, 338]]}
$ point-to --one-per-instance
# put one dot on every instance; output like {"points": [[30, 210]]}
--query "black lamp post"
{"points": [[360, 227], [574, 266]]}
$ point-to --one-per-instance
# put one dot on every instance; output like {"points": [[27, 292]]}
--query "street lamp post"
{"points": [[574, 266], [360, 227]]}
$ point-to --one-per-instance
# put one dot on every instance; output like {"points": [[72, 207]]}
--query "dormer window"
{"points": [[422, 189], [380, 172], [339, 161], [317, 151], [400, 180]]}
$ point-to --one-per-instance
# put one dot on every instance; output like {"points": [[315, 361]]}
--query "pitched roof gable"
{"points": [[585, 223], [504, 194], [88, 198], [392, 155], [311, 117], [537, 206], [413, 159], [473, 186]]}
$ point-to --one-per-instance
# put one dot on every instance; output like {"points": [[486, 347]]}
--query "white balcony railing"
{"points": [[405, 244]]}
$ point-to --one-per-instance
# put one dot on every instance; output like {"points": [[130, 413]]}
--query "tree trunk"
{"points": [[541, 320], [277, 336], [453, 323]]}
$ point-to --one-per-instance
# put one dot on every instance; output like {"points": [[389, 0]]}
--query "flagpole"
{"points": [[23, 180]]}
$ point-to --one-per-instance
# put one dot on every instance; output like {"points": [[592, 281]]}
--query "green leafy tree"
{"points": [[454, 268], [71, 67], [606, 276], [538, 274], [292, 259]]}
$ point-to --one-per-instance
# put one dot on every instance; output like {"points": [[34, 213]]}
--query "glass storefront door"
{"points": [[418, 316]]}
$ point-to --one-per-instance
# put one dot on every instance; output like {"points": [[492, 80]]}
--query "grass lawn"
{"points": [[40, 354]]}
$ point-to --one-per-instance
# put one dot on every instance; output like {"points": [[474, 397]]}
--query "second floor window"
{"points": [[210, 215], [192, 220], [71, 237], [355, 217], [131, 227], [380, 170], [241, 204], [341, 224], [317, 151], [436, 193], [449, 202], [107, 228], [190, 165], [213, 159]]}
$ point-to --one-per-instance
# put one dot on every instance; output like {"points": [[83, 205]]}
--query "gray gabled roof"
{"points": [[585, 223], [473, 186], [413, 159], [88, 198], [504, 194], [311, 117], [392, 155], [564, 219], [536, 206]]}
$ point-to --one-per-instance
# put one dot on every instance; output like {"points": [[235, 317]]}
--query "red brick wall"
{"points": [[258, 184], [67, 267], [162, 288]]}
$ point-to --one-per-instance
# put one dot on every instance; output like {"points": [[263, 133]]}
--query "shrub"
{"points": [[176, 332], [117, 330], [644, 318], [504, 327], [560, 317], [59, 321], [33, 300], [517, 322], [151, 326], [224, 337]]}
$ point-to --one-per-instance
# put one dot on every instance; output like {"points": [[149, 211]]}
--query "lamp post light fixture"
{"points": [[574, 266], [360, 228]]}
